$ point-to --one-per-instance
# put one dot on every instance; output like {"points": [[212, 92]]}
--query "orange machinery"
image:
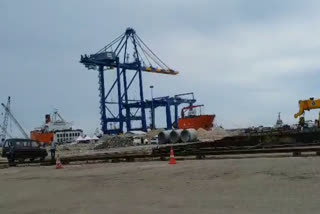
{"points": [[194, 120]]}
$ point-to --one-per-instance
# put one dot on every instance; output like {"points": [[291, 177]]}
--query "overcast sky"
{"points": [[245, 60]]}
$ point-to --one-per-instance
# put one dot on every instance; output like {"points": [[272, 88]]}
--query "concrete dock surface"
{"points": [[260, 185]]}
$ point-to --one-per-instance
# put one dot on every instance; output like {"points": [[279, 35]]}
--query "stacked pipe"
{"points": [[177, 136], [163, 137], [189, 135]]}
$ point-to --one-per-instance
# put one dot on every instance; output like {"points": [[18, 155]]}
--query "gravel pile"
{"points": [[108, 141]]}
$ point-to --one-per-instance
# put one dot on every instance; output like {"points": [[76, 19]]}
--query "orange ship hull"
{"points": [[196, 122], [42, 137]]}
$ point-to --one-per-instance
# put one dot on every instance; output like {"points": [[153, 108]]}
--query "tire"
{"points": [[11, 161]]}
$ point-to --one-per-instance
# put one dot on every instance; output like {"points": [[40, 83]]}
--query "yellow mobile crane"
{"points": [[306, 105]]}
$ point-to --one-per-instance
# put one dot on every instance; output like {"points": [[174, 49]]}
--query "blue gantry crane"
{"points": [[126, 110], [167, 102]]}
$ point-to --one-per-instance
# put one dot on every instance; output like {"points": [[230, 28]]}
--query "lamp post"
{"points": [[152, 109]]}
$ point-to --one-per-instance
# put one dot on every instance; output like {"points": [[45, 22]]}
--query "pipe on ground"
{"points": [[175, 136], [189, 135], [163, 137]]}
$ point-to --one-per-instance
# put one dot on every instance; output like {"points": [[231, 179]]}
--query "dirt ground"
{"points": [[260, 185]]}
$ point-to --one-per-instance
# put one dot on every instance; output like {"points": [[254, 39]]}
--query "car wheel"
{"points": [[11, 162]]}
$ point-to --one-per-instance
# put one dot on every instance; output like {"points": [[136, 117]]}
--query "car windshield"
{"points": [[34, 144], [22, 143]]}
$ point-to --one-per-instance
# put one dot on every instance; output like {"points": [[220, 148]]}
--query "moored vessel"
{"points": [[55, 129]]}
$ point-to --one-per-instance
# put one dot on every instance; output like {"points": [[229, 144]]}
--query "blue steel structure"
{"points": [[167, 102], [115, 56]]}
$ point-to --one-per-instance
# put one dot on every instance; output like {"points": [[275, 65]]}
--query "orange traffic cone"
{"points": [[172, 159], [58, 163]]}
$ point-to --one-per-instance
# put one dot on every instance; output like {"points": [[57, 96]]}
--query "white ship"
{"points": [[55, 129]]}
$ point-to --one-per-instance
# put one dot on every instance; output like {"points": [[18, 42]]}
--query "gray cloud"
{"points": [[246, 60]]}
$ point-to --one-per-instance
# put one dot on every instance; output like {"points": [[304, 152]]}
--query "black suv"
{"points": [[21, 149]]}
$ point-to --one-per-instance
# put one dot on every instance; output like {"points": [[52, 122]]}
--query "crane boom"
{"points": [[4, 127], [306, 105], [61, 118], [5, 132], [15, 121]]}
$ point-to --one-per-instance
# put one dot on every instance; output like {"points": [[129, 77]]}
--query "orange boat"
{"points": [[41, 136], [194, 121]]}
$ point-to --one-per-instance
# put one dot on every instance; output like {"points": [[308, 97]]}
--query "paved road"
{"points": [[262, 185]]}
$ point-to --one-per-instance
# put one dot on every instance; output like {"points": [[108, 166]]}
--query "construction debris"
{"points": [[116, 141], [64, 148]]}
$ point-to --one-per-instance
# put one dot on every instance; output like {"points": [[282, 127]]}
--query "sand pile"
{"points": [[116, 141], [153, 133], [73, 149], [216, 134]]}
